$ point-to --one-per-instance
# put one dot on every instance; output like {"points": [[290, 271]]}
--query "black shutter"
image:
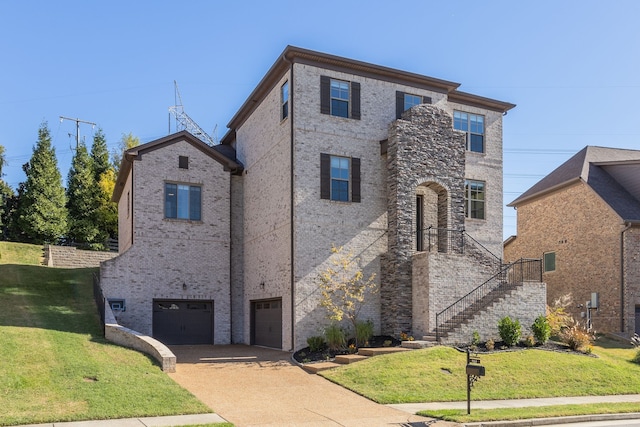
{"points": [[399, 104], [355, 100], [355, 180], [325, 95], [426, 100], [325, 176]]}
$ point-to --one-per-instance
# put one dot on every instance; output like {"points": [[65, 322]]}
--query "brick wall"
{"points": [[631, 277], [585, 234], [70, 257], [174, 259]]}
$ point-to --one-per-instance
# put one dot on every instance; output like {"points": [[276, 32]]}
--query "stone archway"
{"points": [[432, 213]]}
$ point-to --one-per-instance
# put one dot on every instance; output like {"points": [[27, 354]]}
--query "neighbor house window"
{"points": [[284, 98], [473, 126], [339, 98], [182, 201], [340, 178], [474, 199], [549, 261], [405, 101]]}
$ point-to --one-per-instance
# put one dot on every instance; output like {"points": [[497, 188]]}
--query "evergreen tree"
{"points": [[41, 212], [6, 193], [106, 214], [82, 200]]}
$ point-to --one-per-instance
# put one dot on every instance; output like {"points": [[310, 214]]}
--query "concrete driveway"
{"points": [[252, 386]]}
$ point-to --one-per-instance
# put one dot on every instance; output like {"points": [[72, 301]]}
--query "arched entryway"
{"points": [[431, 215]]}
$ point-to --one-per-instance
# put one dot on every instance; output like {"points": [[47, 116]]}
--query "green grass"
{"points": [[438, 375], [502, 414], [56, 366], [20, 253]]}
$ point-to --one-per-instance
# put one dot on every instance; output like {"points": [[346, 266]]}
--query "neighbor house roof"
{"points": [[224, 155], [293, 54], [613, 173]]}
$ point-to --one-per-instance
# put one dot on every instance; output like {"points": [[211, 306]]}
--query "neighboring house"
{"points": [[584, 220], [398, 167]]}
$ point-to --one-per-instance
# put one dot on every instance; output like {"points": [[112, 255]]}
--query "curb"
{"points": [[557, 420]]}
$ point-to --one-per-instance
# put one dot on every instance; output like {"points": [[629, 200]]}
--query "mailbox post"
{"points": [[474, 371]]}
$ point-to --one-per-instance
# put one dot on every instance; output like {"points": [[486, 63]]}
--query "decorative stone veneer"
{"points": [[423, 150]]}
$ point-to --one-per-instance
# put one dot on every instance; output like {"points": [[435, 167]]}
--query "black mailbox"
{"points": [[475, 370]]}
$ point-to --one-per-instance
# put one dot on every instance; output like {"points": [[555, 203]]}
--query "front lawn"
{"points": [[438, 375], [56, 366]]}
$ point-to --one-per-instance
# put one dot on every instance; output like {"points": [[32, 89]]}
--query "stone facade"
{"points": [[581, 265]]}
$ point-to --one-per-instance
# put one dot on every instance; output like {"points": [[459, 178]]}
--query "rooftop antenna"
{"points": [[78, 121], [184, 122]]}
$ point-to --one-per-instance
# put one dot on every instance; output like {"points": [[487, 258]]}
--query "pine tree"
{"points": [[82, 201], [6, 193], [106, 214], [42, 215]]}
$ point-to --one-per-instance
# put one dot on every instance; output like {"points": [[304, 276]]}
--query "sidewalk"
{"points": [[176, 420]]}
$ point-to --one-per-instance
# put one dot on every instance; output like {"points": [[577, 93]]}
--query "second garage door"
{"points": [[183, 322], [266, 323]]}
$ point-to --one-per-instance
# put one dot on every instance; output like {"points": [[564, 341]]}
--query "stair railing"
{"points": [[517, 272]]}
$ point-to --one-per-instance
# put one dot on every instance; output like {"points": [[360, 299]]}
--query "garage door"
{"points": [[266, 323], [183, 322]]}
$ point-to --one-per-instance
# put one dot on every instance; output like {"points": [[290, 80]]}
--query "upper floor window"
{"points": [[473, 125], [339, 178], [182, 201], [284, 100], [474, 199], [549, 262], [339, 98], [405, 101]]}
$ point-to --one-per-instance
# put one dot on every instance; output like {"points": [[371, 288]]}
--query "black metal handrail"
{"points": [[517, 272]]}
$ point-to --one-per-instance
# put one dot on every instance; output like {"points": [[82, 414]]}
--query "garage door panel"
{"points": [[183, 322], [267, 323]]}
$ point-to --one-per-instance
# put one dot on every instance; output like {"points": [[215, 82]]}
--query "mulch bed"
{"points": [[305, 355], [501, 347]]}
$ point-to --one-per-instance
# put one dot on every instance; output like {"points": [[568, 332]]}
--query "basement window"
{"points": [[549, 262]]}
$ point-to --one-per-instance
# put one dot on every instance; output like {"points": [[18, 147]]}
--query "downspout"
{"points": [[622, 281], [293, 281]]}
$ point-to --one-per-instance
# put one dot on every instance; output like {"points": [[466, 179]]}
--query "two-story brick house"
{"points": [[583, 219], [325, 151]]}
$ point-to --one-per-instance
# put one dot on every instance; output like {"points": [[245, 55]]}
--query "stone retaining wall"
{"points": [[70, 257]]}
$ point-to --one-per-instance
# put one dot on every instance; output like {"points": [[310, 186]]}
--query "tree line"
{"points": [[41, 210]]}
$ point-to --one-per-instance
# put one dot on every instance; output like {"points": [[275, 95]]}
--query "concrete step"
{"points": [[376, 351], [417, 344], [345, 359], [314, 368]]}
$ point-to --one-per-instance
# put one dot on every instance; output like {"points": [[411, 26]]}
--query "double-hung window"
{"points": [[183, 201], [474, 199], [473, 126], [339, 98], [411, 101], [339, 178], [405, 101], [284, 100]]}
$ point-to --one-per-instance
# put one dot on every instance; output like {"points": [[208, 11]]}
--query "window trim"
{"points": [[193, 215], [468, 200], [353, 103], [468, 132], [400, 101], [354, 181]]}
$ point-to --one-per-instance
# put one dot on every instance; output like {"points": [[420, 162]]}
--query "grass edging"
{"points": [[581, 413]]}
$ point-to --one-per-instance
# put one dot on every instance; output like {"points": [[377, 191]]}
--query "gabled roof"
{"points": [[223, 155], [293, 54], [613, 173]]}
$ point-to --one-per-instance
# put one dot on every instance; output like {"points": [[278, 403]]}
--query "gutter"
{"points": [[291, 177]]}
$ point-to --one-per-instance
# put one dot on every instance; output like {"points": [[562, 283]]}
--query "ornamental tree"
{"points": [[344, 288]]}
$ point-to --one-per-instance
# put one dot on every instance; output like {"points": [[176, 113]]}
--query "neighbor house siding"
{"points": [[174, 259], [584, 232]]}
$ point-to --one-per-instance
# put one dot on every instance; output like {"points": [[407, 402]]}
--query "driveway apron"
{"points": [[253, 386]]}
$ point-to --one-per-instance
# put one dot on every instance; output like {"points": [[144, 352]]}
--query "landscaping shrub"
{"points": [[541, 329], [316, 343], [490, 344], [364, 332], [636, 358], [335, 337], [557, 315], [475, 338], [529, 341], [510, 331], [578, 338]]}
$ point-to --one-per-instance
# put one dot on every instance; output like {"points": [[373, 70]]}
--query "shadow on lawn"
{"points": [[49, 298]]}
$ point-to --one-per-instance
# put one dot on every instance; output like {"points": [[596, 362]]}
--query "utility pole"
{"points": [[78, 121]]}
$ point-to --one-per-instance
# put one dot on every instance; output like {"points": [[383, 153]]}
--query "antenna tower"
{"points": [[184, 122]]}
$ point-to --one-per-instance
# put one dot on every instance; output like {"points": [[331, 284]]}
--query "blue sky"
{"points": [[572, 67]]}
